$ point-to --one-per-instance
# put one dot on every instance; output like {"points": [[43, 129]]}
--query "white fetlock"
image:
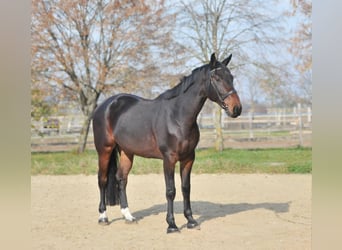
{"points": [[103, 216], [103, 219], [128, 216]]}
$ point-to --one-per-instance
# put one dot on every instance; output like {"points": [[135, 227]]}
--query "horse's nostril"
{"points": [[237, 110]]}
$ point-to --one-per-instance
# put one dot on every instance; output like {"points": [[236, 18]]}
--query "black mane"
{"points": [[183, 86]]}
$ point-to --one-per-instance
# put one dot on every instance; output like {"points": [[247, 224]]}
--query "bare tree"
{"points": [[301, 46], [302, 41], [82, 47], [238, 27]]}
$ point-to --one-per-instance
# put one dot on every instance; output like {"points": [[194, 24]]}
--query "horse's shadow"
{"points": [[208, 210]]}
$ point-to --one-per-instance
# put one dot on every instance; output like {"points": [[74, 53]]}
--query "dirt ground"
{"points": [[235, 211]]}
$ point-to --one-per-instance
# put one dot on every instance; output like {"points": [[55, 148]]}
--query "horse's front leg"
{"points": [[169, 174], [185, 171]]}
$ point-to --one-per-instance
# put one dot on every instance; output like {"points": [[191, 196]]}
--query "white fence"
{"points": [[278, 128]]}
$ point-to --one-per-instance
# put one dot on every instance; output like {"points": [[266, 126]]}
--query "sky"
{"points": [[279, 55]]}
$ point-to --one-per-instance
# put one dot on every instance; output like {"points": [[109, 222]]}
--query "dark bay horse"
{"points": [[165, 128]]}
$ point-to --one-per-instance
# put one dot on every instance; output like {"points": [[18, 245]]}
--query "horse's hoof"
{"points": [[172, 230], [103, 221], [193, 225]]}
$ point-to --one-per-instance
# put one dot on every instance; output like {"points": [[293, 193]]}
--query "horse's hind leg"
{"points": [[126, 161], [104, 157]]}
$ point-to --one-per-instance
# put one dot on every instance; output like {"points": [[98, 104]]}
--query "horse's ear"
{"points": [[212, 61], [227, 60]]}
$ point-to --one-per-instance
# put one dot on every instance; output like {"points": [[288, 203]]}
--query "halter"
{"points": [[221, 98]]}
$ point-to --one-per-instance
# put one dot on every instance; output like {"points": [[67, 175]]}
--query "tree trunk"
{"points": [[82, 141], [88, 99], [218, 129]]}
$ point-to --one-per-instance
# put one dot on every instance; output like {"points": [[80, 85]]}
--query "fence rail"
{"points": [[280, 128]]}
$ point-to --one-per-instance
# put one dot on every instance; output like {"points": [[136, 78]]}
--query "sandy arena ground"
{"points": [[252, 211]]}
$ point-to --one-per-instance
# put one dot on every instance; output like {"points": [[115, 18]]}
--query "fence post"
{"points": [[278, 117], [300, 124], [284, 116], [251, 134], [309, 114]]}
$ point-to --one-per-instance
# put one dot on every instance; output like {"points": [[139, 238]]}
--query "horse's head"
{"points": [[220, 87]]}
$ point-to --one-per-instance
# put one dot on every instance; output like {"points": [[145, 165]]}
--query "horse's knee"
{"points": [[171, 193]]}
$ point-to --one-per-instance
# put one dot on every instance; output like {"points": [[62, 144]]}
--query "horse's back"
{"points": [[114, 105]]}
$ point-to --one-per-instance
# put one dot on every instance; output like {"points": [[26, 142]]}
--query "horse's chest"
{"points": [[187, 141]]}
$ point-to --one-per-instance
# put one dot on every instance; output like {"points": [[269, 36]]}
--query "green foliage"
{"points": [[288, 160]]}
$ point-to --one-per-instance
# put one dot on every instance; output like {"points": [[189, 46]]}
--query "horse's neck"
{"points": [[191, 102]]}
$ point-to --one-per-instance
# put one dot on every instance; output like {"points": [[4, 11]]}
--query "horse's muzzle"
{"points": [[236, 111]]}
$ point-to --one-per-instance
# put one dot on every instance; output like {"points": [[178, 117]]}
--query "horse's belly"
{"points": [[142, 150], [139, 143]]}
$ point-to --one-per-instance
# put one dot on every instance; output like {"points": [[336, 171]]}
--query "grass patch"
{"points": [[64, 163], [288, 160]]}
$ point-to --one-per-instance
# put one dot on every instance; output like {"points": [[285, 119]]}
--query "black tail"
{"points": [[112, 190]]}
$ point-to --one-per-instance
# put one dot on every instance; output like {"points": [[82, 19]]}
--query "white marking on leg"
{"points": [[103, 215], [128, 216]]}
